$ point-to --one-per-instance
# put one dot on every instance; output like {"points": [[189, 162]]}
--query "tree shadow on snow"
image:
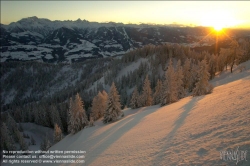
{"points": [[104, 140], [178, 123]]}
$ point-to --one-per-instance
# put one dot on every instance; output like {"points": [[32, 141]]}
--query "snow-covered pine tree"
{"points": [[223, 60], [13, 128], [22, 143], [44, 120], [7, 141], [55, 117], [158, 92], [187, 74], [113, 109], [245, 46], [202, 87], [146, 93], [179, 80], [99, 105], [170, 92], [104, 101], [194, 76], [70, 114], [91, 121], [105, 95], [78, 118], [236, 52], [45, 144], [57, 133], [134, 102], [95, 107], [212, 65]]}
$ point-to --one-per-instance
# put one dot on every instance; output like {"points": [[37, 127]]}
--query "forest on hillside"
{"points": [[53, 95]]}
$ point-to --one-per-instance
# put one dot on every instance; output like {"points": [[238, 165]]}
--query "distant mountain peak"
{"points": [[78, 20], [33, 18]]}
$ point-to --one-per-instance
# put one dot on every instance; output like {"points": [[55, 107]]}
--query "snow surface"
{"points": [[86, 45], [113, 46], [27, 54], [27, 33], [38, 133], [48, 56], [11, 95], [192, 131], [240, 71], [132, 67]]}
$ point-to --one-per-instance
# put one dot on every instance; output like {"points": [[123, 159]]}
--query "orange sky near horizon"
{"points": [[197, 13]]}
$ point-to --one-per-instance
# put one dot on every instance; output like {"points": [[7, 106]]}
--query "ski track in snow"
{"points": [[191, 131]]}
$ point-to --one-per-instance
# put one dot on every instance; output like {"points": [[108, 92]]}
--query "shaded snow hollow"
{"points": [[192, 131]]}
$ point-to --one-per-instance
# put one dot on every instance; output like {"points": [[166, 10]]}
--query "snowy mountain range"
{"points": [[44, 40]]}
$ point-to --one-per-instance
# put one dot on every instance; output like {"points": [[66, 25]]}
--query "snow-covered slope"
{"points": [[192, 131], [38, 132], [240, 71]]}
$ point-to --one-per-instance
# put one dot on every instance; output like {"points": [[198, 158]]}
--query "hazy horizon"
{"points": [[232, 14]]}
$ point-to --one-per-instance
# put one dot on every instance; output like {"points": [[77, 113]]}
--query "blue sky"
{"points": [[230, 13]]}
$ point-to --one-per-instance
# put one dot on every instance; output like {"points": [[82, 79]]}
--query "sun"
{"points": [[218, 27], [218, 19]]}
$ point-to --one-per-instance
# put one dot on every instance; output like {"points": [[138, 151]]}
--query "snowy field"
{"points": [[192, 131]]}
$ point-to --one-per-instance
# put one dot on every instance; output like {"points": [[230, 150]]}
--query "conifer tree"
{"points": [[95, 107], [6, 139], [57, 134], [91, 121], [70, 114], [212, 65], [13, 128], [187, 74], [134, 102], [113, 109], [194, 76], [235, 55], [22, 143], [223, 59], [45, 144], [99, 104], [179, 80], [55, 117], [105, 95], [78, 118], [170, 87], [158, 92], [104, 101], [202, 87], [146, 98]]}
